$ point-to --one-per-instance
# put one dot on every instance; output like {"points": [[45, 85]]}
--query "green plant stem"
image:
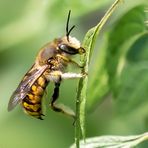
{"points": [[88, 44]]}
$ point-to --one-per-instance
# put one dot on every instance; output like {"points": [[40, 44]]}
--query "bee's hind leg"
{"points": [[60, 107]]}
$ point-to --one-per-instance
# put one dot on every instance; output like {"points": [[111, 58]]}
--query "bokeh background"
{"points": [[25, 26]]}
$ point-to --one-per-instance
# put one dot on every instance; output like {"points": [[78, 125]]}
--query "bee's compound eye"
{"points": [[67, 49], [63, 47]]}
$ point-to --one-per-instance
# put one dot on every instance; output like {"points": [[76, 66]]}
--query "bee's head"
{"points": [[71, 46], [68, 44]]}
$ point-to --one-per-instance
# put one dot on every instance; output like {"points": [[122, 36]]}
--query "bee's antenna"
{"points": [[67, 26]]}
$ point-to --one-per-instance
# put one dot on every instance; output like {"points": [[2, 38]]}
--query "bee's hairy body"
{"points": [[32, 103], [50, 65]]}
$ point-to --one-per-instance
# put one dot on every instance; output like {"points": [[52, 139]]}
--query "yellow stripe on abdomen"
{"points": [[32, 103]]}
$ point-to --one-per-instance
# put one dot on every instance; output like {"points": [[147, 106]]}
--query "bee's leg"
{"points": [[75, 63], [70, 61], [70, 75], [60, 107], [57, 76]]}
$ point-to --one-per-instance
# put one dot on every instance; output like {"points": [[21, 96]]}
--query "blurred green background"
{"points": [[25, 26]]}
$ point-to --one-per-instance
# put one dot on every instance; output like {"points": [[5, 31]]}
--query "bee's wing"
{"points": [[20, 93]]}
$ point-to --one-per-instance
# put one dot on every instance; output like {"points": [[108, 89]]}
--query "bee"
{"points": [[49, 66]]}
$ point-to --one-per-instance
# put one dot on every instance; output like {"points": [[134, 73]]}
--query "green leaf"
{"points": [[109, 60], [98, 80], [133, 84], [113, 141], [88, 44], [124, 32]]}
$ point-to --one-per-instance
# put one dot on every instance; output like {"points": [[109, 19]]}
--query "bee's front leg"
{"points": [[70, 61], [75, 63]]}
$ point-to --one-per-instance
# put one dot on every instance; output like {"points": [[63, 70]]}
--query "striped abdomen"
{"points": [[32, 103]]}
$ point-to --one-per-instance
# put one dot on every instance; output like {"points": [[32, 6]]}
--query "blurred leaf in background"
{"points": [[117, 68], [120, 73]]}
